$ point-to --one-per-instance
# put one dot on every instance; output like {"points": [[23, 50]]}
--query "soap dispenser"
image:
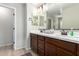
{"points": [[71, 33]]}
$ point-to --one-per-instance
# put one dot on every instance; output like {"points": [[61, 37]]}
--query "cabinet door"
{"points": [[63, 44], [50, 50], [40, 52], [62, 52], [40, 45], [77, 49], [34, 42]]}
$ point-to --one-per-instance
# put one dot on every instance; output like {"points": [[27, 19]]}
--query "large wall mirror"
{"points": [[63, 16]]}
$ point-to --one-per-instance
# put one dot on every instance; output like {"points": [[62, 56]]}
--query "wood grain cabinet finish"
{"points": [[63, 44], [33, 42], [41, 45], [40, 52], [77, 49], [59, 47], [67, 46], [50, 50], [53, 47], [62, 52]]}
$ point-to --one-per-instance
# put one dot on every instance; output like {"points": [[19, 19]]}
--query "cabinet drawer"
{"points": [[63, 44], [62, 52], [40, 37], [41, 44]]}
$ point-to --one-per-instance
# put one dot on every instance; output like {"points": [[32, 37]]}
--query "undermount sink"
{"points": [[48, 31]]}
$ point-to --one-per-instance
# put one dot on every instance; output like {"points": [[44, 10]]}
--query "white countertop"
{"points": [[57, 35]]}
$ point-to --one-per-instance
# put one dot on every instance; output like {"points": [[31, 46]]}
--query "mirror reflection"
{"points": [[56, 16], [63, 16]]}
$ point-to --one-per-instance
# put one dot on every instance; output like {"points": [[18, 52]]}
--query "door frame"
{"points": [[14, 34]]}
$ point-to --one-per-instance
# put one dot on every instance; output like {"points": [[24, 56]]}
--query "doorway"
{"points": [[7, 26]]}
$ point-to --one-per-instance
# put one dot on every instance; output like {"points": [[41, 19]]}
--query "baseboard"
{"points": [[27, 48], [1, 45], [17, 48]]}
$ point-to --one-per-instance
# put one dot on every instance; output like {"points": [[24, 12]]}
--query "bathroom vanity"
{"points": [[54, 45], [63, 17]]}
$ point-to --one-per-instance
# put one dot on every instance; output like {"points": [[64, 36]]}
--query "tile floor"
{"points": [[9, 51]]}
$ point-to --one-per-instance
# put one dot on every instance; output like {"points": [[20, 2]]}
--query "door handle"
{"points": [[13, 28]]}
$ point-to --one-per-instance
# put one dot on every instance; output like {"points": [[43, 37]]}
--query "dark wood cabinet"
{"points": [[77, 49], [59, 47], [53, 47], [40, 52], [50, 50], [41, 45], [33, 42], [66, 45], [63, 44], [62, 52]]}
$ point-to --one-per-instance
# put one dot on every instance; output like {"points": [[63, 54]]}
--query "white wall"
{"points": [[24, 24], [29, 10], [19, 39]]}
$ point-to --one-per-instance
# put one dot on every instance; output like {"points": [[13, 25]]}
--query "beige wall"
{"points": [[71, 17]]}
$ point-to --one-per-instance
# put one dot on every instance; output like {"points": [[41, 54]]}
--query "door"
{"points": [[6, 26]]}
